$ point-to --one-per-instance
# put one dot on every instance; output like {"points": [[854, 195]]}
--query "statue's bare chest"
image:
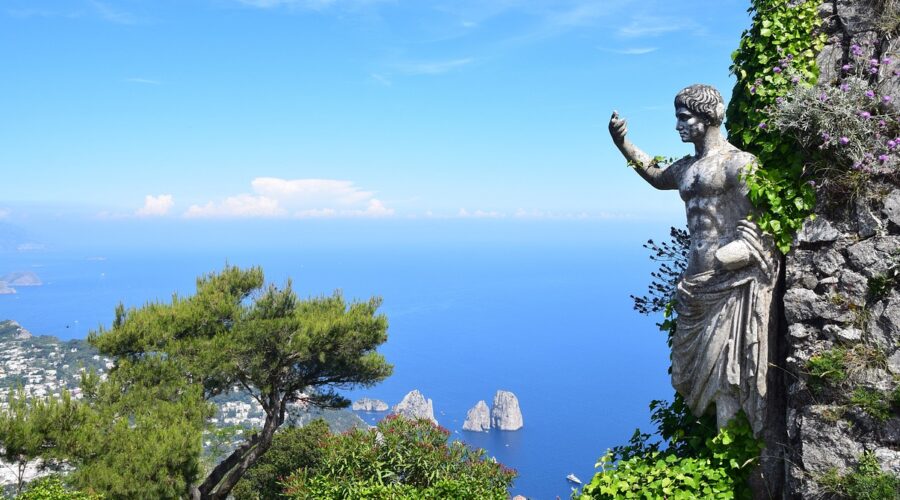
{"points": [[703, 178]]}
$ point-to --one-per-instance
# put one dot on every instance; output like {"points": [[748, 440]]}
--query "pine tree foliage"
{"points": [[171, 358]]}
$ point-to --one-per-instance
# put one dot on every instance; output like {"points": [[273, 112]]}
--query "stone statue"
{"points": [[721, 346]]}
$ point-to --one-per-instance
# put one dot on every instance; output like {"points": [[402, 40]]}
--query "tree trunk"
{"points": [[223, 478]]}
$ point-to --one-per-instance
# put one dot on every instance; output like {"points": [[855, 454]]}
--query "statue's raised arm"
{"points": [[641, 161]]}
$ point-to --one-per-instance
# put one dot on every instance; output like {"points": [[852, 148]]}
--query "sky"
{"points": [[130, 114]]}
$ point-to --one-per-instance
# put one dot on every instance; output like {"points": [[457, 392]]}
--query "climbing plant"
{"points": [[784, 36]]}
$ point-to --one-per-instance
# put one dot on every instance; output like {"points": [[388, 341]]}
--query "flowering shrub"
{"points": [[849, 130], [400, 459]]}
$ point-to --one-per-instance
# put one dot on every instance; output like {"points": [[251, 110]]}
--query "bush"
{"points": [[400, 459], [51, 488]]}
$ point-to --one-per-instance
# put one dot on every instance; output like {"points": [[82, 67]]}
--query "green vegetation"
{"points": [[697, 462], [866, 482], [293, 448], [783, 34], [400, 459], [873, 402], [829, 367], [52, 488]]}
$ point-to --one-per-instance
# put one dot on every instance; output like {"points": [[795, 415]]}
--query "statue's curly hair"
{"points": [[703, 100]]}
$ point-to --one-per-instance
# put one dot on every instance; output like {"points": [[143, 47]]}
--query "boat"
{"points": [[573, 478]]}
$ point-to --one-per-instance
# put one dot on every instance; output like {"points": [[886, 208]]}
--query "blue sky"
{"points": [[193, 111]]}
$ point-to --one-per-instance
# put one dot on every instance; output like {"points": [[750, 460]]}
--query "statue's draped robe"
{"points": [[721, 342]]}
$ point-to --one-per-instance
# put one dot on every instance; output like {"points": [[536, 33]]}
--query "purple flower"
{"points": [[753, 89], [844, 140], [870, 94], [844, 87], [873, 62], [873, 71], [826, 136], [887, 98], [886, 60], [795, 79], [779, 100], [790, 57], [883, 158], [845, 67], [857, 166], [763, 125], [776, 69], [823, 97], [865, 115], [882, 124], [891, 144], [856, 50], [812, 184]]}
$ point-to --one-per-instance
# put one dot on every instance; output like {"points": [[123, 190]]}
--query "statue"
{"points": [[721, 346]]}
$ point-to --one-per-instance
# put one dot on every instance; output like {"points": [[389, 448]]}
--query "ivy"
{"points": [[783, 34]]}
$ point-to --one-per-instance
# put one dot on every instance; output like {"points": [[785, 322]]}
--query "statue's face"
{"points": [[690, 127]]}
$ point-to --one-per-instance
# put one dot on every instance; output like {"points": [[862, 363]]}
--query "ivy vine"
{"points": [[783, 34]]}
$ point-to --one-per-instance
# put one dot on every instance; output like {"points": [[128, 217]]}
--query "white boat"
{"points": [[573, 478]]}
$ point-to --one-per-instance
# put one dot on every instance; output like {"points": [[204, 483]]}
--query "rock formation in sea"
{"points": [[23, 278], [368, 404], [478, 418], [5, 289], [414, 405], [505, 412]]}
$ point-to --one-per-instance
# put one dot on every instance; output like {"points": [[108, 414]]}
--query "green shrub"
{"points": [[872, 402], [400, 459], [51, 488], [866, 482]]}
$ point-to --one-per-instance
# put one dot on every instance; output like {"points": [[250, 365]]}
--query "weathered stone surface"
{"points": [[505, 412], [817, 230], [802, 304], [828, 262], [367, 404], [414, 405], [872, 257], [867, 223], [892, 206], [478, 418], [800, 270], [884, 323], [827, 443], [845, 335], [853, 286]]}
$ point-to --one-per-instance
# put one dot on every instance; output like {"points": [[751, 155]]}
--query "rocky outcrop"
{"points": [[478, 418], [5, 289], [414, 405], [24, 278], [367, 404], [841, 338], [505, 412]]}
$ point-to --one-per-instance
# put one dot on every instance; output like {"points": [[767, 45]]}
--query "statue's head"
{"points": [[698, 109], [703, 101]]}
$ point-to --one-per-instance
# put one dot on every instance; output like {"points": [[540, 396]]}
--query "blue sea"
{"points": [[549, 319]]}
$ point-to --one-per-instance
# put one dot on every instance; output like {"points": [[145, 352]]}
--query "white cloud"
{"points": [[480, 214], [155, 206], [632, 51], [433, 67], [4, 213], [310, 4], [655, 26], [111, 14], [301, 198], [31, 247], [143, 81]]}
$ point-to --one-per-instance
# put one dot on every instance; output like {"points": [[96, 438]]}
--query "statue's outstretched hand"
{"points": [[617, 128]]}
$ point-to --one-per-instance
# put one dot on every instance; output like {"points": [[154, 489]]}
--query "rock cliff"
{"points": [[367, 404], [505, 412], [478, 418], [841, 332], [414, 405]]}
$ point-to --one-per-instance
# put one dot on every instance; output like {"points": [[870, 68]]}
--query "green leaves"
{"points": [[784, 34]]}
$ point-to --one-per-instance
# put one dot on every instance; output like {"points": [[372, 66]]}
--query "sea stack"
{"points": [[367, 404], [505, 412], [479, 418], [414, 405]]}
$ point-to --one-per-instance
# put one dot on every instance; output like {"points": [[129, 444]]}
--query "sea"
{"points": [[549, 319]]}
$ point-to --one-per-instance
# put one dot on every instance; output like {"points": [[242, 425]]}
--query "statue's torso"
{"points": [[715, 199]]}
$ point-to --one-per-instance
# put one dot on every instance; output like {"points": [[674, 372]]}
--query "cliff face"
{"points": [[841, 334], [505, 412], [414, 405]]}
